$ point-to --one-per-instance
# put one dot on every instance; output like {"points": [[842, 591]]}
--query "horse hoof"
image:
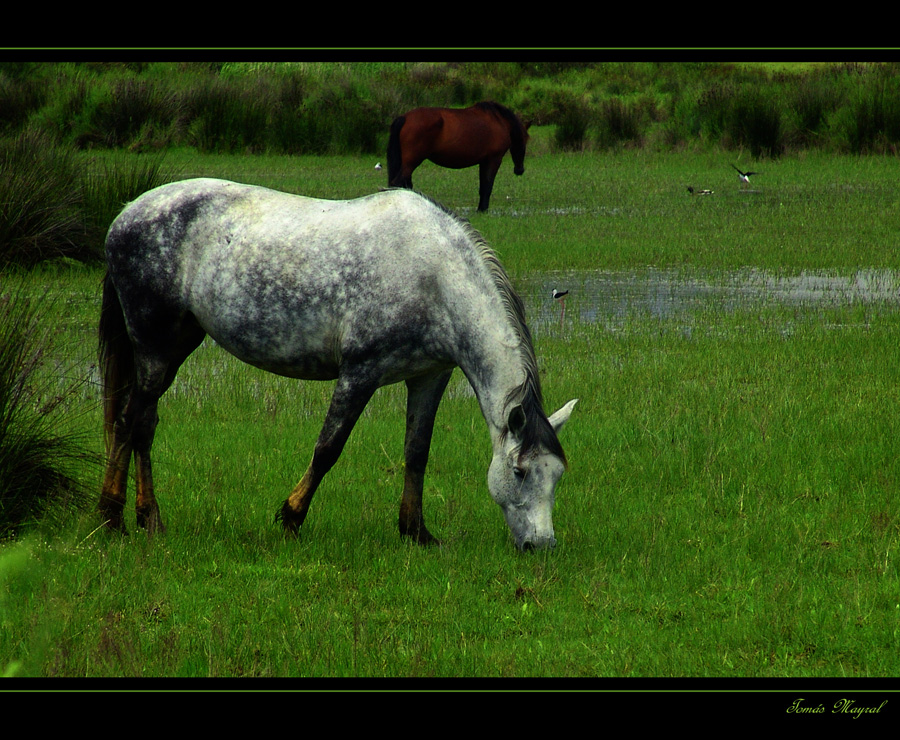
{"points": [[151, 522], [290, 519], [422, 537]]}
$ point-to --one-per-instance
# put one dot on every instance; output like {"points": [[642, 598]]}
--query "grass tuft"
{"points": [[41, 463]]}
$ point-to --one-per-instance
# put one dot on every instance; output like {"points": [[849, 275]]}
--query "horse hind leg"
{"points": [[132, 434], [155, 374], [135, 427], [423, 397], [116, 360], [115, 481], [144, 421]]}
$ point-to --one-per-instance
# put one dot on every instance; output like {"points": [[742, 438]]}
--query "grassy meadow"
{"points": [[730, 509]]}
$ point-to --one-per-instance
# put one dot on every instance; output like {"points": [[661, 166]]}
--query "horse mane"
{"points": [[538, 431], [517, 130]]}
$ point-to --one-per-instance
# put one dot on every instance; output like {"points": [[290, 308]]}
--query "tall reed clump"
{"points": [[355, 123], [753, 120], [572, 116], [742, 116], [135, 114], [42, 462], [870, 122], [287, 114], [109, 185], [810, 102], [228, 116], [617, 122], [39, 200], [52, 206], [19, 97]]}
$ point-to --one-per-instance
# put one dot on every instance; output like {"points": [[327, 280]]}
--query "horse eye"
{"points": [[519, 472]]}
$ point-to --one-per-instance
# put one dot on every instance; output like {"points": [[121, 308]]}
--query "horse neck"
{"points": [[518, 142], [517, 147], [495, 366], [492, 343]]}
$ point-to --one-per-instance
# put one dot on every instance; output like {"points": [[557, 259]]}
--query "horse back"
{"points": [[290, 284], [462, 137]]}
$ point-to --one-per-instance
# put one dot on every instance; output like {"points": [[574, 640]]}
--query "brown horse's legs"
{"points": [[423, 397], [351, 395], [487, 172]]}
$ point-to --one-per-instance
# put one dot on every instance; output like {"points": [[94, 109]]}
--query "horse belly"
{"points": [[458, 148], [313, 350], [304, 366], [295, 344]]}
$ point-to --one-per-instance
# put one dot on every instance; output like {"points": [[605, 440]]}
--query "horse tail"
{"points": [[116, 357], [394, 157]]}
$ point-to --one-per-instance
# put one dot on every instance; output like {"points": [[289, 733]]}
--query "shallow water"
{"points": [[600, 295]]}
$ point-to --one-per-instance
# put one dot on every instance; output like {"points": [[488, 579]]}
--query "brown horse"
{"points": [[457, 138]]}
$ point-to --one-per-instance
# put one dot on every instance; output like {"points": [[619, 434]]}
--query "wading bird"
{"points": [[560, 296], [744, 176]]}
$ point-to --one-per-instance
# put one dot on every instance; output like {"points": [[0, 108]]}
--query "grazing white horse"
{"points": [[370, 291]]}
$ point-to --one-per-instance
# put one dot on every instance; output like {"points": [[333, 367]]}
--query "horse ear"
{"points": [[516, 420], [562, 416]]}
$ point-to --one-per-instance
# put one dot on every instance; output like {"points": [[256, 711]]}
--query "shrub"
{"points": [[41, 463], [229, 116], [352, 123], [39, 199], [871, 120], [51, 208], [107, 187], [753, 120], [810, 101], [572, 117], [617, 122], [126, 112], [346, 108], [18, 99], [713, 105]]}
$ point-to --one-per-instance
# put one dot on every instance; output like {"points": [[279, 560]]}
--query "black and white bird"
{"points": [[378, 166], [705, 191], [744, 176], [560, 297]]}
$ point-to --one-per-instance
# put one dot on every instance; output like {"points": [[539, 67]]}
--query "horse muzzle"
{"points": [[537, 543]]}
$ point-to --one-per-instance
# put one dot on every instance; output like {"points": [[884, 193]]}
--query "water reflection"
{"points": [[599, 295]]}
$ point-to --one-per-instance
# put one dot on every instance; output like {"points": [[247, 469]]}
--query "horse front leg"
{"points": [[487, 172], [423, 397], [351, 394]]}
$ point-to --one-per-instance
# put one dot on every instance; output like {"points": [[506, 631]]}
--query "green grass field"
{"points": [[730, 508]]}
